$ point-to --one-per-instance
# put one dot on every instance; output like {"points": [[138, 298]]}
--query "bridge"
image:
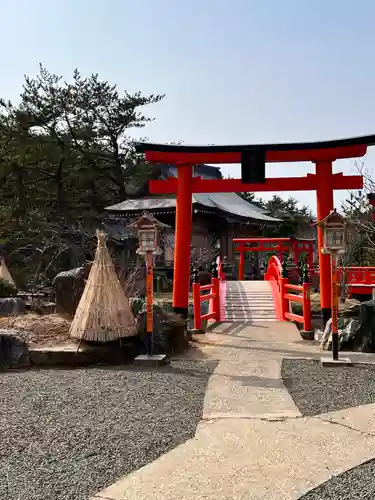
{"points": [[270, 299]]}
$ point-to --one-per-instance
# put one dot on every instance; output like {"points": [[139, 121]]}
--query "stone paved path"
{"points": [[253, 442]]}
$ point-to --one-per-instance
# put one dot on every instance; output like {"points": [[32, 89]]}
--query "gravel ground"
{"points": [[355, 484], [318, 390], [65, 434]]}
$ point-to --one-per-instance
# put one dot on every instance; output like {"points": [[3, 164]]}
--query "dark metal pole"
{"points": [[335, 332]]}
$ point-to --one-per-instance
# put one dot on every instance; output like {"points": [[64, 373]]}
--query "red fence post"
{"points": [[284, 300], [216, 300], [308, 332], [197, 306], [215, 290], [241, 267], [306, 307], [197, 302]]}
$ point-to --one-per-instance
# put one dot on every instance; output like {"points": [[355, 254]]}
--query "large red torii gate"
{"points": [[252, 159]]}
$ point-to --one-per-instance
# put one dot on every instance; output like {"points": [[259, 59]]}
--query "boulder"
{"points": [[14, 352], [12, 306], [169, 333], [363, 337], [69, 286]]}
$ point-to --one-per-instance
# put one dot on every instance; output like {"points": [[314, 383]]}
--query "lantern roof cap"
{"points": [[333, 218], [147, 221]]}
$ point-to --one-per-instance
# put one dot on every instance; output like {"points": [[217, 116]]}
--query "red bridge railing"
{"points": [[208, 293], [358, 280], [284, 293]]}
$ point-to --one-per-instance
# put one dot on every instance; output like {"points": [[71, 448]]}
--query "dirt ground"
{"points": [[38, 329]]}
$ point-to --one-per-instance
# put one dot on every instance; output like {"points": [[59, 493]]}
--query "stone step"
{"points": [[251, 320], [247, 307], [251, 302], [250, 305], [245, 318], [258, 294], [250, 289], [250, 294], [249, 297], [250, 283], [250, 313]]}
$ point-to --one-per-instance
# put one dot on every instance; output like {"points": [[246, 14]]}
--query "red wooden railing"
{"points": [[301, 296], [213, 296], [281, 291], [358, 280]]}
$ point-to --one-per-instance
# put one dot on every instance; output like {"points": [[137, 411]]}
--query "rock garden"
{"points": [[84, 319]]}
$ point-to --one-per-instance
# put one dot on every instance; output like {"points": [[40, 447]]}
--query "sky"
{"points": [[239, 71]]}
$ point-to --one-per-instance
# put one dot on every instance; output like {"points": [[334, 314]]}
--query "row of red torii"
{"points": [[252, 159], [295, 248]]}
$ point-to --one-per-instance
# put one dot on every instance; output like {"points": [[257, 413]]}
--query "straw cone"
{"points": [[5, 274], [103, 313]]}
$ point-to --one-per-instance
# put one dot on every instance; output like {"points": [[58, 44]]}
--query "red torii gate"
{"points": [[280, 246], [252, 159]]}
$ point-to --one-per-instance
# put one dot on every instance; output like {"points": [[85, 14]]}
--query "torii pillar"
{"points": [[325, 203], [184, 208]]}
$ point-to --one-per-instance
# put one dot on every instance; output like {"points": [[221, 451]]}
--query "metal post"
{"points": [[334, 301]]}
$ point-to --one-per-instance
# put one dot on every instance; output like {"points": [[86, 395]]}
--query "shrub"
{"points": [[136, 304]]}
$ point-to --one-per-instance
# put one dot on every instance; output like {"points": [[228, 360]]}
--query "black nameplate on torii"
{"points": [[253, 165]]}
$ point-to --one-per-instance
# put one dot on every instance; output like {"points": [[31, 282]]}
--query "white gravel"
{"points": [[316, 390], [66, 434]]}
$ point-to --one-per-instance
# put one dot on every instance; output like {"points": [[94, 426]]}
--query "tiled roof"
{"points": [[229, 203]]}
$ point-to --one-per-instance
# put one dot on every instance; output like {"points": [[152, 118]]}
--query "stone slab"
{"points": [[69, 354], [329, 362], [247, 460], [154, 360], [359, 418]]}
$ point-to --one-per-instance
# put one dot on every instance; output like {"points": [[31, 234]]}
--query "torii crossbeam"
{"points": [[252, 159]]}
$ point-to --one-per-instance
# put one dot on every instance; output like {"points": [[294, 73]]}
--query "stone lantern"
{"points": [[335, 236], [335, 233], [148, 229]]}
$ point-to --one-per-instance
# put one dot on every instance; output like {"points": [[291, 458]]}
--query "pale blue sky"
{"points": [[239, 71]]}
